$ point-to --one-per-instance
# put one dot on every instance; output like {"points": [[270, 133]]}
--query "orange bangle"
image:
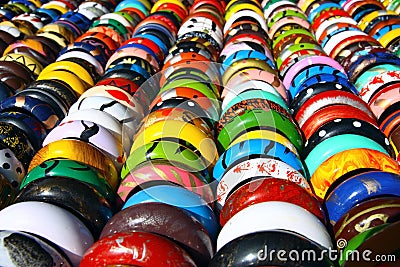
{"points": [[346, 161]]}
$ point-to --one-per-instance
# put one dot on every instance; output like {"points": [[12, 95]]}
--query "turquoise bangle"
{"points": [[372, 72], [336, 144]]}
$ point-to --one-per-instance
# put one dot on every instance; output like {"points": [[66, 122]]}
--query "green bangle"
{"points": [[290, 32], [199, 86], [163, 150], [283, 14], [260, 119], [293, 49], [209, 91], [357, 241], [112, 23], [74, 170], [197, 75]]}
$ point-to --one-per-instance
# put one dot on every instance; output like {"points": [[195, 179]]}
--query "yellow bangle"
{"points": [[174, 115], [234, 2], [182, 130], [79, 151], [389, 36], [71, 67], [242, 6], [161, 2], [306, 4], [60, 8], [31, 63], [53, 27], [365, 21], [62, 75]]}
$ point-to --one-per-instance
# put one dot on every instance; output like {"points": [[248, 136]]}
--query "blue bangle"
{"points": [[155, 39], [309, 72], [355, 69], [255, 147], [382, 31], [244, 54], [134, 4], [34, 106], [169, 37], [337, 144], [316, 11], [359, 188], [179, 197], [327, 78], [133, 67]]}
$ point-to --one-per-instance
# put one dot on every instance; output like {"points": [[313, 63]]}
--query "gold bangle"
{"points": [[62, 75], [79, 151]]}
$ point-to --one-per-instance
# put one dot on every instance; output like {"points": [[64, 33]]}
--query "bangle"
{"points": [[365, 215], [265, 134], [347, 126], [190, 234], [254, 94], [73, 170], [256, 168], [102, 251], [181, 130], [337, 144], [82, 200], [260, 119], [258, 190], [346, 161], [179, 197], [91, 133], [274, 215], [163, 150], [358, 188], [165, 171], [248, 250], [88, 154], [255, 147]]}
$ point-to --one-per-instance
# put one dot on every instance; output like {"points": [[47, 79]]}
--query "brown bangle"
{"points": [[79, 151]]}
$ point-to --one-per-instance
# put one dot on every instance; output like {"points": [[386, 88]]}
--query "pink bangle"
{"points": [[161, 171]]}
